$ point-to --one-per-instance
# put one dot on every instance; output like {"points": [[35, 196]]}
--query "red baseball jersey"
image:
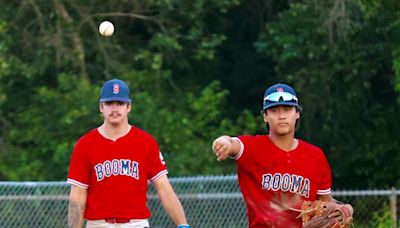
{"points": [[273, 181], [116, 173]]}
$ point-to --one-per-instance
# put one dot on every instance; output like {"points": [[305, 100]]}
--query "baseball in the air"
{"points": [[106, 28]]}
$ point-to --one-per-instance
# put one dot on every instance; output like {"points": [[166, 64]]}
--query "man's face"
{"points": [[281, 119], [115, 112]]}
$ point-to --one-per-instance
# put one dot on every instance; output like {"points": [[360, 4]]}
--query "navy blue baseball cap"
{"points": [[115, 90], [280, 94]]}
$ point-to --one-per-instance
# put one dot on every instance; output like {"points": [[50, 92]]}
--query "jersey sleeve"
{"points": [[324, 188], [246, 153], [157, 166], [246, 147], [79, 171]]}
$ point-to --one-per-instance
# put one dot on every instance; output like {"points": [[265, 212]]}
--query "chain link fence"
{"points": [[209, 201]]}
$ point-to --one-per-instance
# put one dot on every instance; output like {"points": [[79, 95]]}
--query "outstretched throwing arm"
{"points": [[225, 146]]}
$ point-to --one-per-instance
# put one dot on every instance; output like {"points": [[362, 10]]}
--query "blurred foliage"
{"points": [[382, 218], [198, 69], [46, 129]]}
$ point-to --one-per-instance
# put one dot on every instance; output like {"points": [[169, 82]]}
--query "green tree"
{"points": [[194, 68], [44, 133]]}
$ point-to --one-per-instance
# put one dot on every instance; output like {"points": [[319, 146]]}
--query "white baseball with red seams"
{"points": [[106, 28]]}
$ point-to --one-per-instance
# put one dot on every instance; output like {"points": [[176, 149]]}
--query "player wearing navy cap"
{"points": [[110, 168], [276, 171]]}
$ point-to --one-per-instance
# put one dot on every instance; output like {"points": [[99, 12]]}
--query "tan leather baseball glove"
{"points": [[320, 214]]}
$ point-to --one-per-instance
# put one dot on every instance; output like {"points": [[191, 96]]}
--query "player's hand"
{"points": [[336, 214], [339, 216], [222, 147]]}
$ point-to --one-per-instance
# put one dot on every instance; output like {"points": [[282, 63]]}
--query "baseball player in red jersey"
{"points": [[277, 171], [110, 168]]}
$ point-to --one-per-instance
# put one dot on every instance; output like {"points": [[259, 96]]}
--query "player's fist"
{"points": [[222, 147]]}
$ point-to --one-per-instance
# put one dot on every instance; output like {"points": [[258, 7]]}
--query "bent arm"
{"points": [[170, 200], [77, 205], [226, 146]]}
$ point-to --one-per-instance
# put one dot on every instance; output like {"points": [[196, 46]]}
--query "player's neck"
{"points": [[114, 132], [284, 142]]}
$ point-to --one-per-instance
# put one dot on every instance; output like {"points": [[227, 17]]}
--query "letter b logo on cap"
{"points": [[115, 90]]}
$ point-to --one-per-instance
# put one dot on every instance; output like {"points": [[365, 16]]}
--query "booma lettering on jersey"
{"points": [[286, 182], [117, 167]]}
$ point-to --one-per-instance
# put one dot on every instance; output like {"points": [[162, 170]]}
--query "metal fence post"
{"points": [[393, 207]]}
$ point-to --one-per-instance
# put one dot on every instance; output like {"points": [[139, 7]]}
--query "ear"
{"points": [[297, 115], [129, 107], [264, 113], [101, 107]]}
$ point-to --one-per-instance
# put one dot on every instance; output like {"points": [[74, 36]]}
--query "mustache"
{"points": [[115, 114]]}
